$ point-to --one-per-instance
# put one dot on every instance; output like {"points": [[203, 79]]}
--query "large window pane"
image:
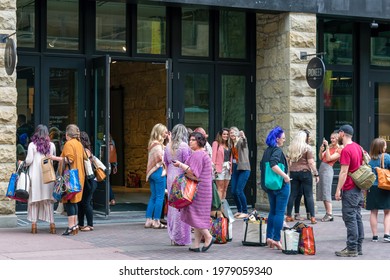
{"points": [[25, 19], [63, 97], [232, 34], [382, 117], [380, 45], [338, 100], [63, 24], [196, 100], [338, 42], [25, 85], [195, 32], [151, 29], [233, 101], [110, 26]]}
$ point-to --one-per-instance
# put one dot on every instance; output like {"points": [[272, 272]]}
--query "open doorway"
{"points": [[138, 102]]}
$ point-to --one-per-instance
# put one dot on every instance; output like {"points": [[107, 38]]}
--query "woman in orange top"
{"points": [[328, 155], [73, 153]]}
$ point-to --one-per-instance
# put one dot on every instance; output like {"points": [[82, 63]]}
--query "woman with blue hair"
{"points": [[277, 198]]}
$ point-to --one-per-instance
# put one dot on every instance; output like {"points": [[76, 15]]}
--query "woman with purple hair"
{"points": [[40, 201]]}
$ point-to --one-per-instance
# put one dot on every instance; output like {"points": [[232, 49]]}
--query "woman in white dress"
{"points": [[40, 201]]}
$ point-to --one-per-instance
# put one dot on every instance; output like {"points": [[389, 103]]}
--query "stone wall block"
{"points": [[7, 5], [303, 23], [8, 135], [7, 115], [8, 153], [7, 207], [298, 72], [302, 40], [303, 104], [8, 96], [7, 20], [5, 80]]}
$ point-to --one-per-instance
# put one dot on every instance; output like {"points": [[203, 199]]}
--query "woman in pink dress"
{"points": [[197, 215], [177, 149]]}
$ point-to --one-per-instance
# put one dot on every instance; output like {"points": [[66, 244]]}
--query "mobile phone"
{"points": [[174, 161]]}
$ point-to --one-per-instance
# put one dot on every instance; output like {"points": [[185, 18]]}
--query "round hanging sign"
{"points": [[10, 56], [315, 72]]}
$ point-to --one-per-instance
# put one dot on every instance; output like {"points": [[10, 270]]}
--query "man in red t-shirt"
{"points": [[350, 195]]}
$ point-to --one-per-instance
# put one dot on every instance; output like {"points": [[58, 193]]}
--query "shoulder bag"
{"points": [[48, 174], [363, 177], [273, 181], [182, 192], [99, 169], [383, 175], [71, 181]]}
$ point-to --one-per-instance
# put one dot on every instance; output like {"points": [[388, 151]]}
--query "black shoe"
{"points": [[197, 250], [346, 253], [386, 238], [204, 249], [68, 231], [163, 221], [375, 238]]}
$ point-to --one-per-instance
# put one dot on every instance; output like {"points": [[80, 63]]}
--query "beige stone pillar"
{"points": [[8, 98], [283, 96]]}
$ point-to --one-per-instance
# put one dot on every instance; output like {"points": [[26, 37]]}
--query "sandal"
{"points": [[327, 218], [86, 228], [159, 226]]}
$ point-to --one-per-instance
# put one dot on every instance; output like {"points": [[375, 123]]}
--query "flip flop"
{"points": [[160, 226]]}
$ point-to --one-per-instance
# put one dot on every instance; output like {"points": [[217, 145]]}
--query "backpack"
{"points": [[363, 177]]}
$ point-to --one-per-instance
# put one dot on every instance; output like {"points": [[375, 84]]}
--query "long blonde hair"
{"points": [[298, 146], [157, 134], [236, 133]]}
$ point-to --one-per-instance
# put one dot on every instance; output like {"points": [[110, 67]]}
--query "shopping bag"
{"points": [[59, 188], [72, 183], [183, 192], [219, 229], [48, 174], [23, 185], [229, 214], [255, 232], [307, 245], [289, 238], [12, 185]]}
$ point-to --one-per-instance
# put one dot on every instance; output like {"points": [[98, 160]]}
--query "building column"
{"points": [[8, 99], [283, 96]]}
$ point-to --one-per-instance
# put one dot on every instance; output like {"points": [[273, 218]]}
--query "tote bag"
{"points": [[88, 167], [72, 183], [273, 181], [383, 175], [182, 192], [48, 174], [219, 229]]}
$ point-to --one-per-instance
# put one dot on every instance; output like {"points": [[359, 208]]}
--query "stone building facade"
{"points": [[282, 94]]}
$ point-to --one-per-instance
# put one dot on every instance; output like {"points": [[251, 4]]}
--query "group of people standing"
{"points": [[298, 170], [76, 149], [188, 152]]}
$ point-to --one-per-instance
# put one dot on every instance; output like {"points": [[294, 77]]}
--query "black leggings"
{"points": [[71, 208]]}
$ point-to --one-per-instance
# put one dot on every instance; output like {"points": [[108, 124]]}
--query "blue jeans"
{"points": [[238, 183], [277, 204], [157, 191], [351, 202]]}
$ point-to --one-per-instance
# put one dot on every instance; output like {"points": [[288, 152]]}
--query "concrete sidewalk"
{"points": [[121, 236]]}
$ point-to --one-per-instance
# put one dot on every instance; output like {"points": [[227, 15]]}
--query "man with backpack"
{"points": [[350, 195]]}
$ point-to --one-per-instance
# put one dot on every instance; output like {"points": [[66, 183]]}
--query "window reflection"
{"points": [[338, 100], [63, 97], [232, 34], [151, 29], [196, 100], [233, 101], [25, 85], [382, 117], [338, 42], [195, 32], [63, 24], [25, 20], [111, 26], [380, 45]]}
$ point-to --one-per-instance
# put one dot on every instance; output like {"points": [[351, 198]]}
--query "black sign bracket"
{"points": [[4, 37], [304, 55]]}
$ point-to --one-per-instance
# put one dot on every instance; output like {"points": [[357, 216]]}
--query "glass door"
{"points": [[236, 87], [193, 103], [101, 89]]}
